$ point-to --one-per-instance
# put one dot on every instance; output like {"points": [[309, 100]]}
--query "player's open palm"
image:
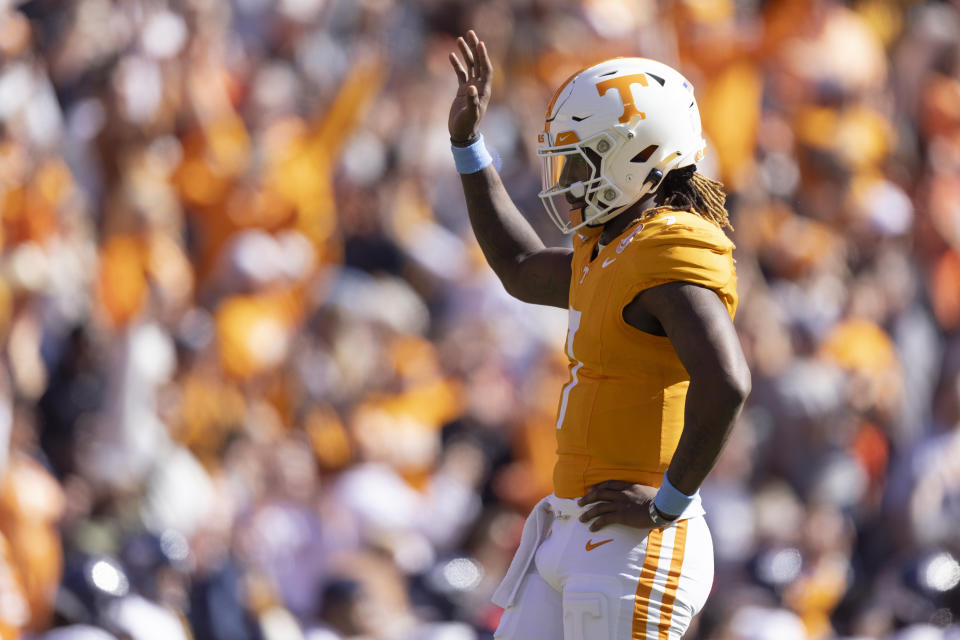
{"points": [[474, 74]]}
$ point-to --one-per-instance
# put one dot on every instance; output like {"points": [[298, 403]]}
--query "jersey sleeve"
{"points": [[681, 246]]}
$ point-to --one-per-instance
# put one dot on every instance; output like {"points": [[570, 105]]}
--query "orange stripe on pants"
{"points": [[673, 580], [641, 603]]}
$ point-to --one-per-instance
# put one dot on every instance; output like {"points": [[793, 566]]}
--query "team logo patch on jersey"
{"points": [[623, 243]]}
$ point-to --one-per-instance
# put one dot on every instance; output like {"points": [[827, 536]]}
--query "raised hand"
{"points": [[474, 76]]}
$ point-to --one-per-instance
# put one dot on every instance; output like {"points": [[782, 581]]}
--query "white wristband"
{"points": [[670, 500], [473, 158]]}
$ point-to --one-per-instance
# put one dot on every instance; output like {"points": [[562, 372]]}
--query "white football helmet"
{"points": [[612, 132]]}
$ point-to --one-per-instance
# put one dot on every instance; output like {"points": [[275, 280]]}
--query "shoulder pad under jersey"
{"points": [[678, 245]]}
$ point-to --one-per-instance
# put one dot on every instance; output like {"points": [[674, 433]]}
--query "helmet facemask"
{"points": [[572, 178], [577, 190]]}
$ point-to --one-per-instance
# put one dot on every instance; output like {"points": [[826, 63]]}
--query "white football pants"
{"points": [[618, 583]]}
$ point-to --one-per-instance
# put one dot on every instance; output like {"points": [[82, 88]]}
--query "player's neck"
{"points": [[615, 227]]}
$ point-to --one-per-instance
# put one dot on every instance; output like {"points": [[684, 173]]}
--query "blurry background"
{"points": [[257, 382]]}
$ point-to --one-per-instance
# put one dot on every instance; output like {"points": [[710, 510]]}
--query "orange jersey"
{"points": [[621, 414]]}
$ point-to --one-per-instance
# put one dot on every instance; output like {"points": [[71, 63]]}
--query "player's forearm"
{"points": [[712, 408], [504, 235]]}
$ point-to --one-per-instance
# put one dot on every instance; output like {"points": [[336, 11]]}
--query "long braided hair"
{"points": [[687, 190]]}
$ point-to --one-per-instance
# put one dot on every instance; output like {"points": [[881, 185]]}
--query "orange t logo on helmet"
{"points": [[622, 85]]}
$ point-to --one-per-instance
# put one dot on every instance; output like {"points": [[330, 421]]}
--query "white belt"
{"points": [[563, 508]]}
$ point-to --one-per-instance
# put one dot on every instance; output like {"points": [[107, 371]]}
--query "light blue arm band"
{"points": [[473, 158], [670, 500]]}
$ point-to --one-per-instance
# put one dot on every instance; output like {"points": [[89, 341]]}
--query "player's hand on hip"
{"points": [[618, 502], [474, 74]]}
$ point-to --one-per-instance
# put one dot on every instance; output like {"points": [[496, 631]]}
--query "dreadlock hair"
{"points": [[685, 189]]}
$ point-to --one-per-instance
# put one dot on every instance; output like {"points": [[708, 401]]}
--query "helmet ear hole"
{"points": [[644, 155]]}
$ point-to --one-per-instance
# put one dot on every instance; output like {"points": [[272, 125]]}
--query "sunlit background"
{"points": [[257, 382]]}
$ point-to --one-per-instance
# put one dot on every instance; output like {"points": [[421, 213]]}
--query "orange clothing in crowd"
{"points": [[31, 502]]}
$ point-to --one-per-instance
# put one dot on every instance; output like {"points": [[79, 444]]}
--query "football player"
{"points": [[657, 376]]}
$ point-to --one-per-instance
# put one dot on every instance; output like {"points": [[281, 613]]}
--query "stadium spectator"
{"points": [[242, 314]]}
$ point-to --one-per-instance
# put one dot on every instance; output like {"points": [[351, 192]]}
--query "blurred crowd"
{"points": [[257, 382]]}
